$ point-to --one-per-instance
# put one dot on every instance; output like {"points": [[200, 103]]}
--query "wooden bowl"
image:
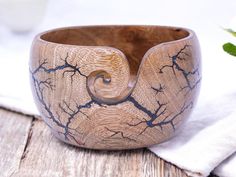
{"points": [[115, 87]]}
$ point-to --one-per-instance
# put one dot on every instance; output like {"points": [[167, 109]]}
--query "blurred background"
{"points": [[21, 20]]}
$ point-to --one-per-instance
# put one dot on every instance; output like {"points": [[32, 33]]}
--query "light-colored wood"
{"points": [[46, 156], [14, 133], [115, 87]]}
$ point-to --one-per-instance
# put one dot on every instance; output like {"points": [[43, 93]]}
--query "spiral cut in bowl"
{"points": [[115, 87]]}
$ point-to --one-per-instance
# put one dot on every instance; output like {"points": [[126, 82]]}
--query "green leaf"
{"points": [[230, 48], [230, 31]]}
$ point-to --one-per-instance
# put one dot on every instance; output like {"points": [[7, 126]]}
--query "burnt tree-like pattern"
{"points": [[177, 68], [159, 118]]}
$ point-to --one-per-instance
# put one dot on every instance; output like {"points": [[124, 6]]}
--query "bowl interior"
{"points": [[133, 41]]}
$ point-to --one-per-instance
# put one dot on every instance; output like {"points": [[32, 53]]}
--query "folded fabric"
{"points": [[206, 139], [227, 167]]}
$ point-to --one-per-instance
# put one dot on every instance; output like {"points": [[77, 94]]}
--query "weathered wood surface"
{"points": [[14, 132], [28, 148]]}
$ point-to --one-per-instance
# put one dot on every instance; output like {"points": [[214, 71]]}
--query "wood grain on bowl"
{"points": [[115, 87]]}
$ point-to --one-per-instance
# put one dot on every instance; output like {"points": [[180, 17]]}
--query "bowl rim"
{"points": [[38, 37]]}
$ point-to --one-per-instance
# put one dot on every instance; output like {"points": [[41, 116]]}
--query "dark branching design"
{"points": [[114, 133], [161, 110], [67, 67], [39, 86], [158, 90], [73, 112], [177, 68]]}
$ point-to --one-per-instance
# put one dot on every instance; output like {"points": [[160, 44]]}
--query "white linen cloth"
{"points": [[207, 142]]}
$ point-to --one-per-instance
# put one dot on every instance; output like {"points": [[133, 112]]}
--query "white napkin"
{"points": [[206, 140]]}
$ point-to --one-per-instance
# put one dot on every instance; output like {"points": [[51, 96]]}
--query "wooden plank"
{"points": [[14, 132], [47, 156], [27, 148]]}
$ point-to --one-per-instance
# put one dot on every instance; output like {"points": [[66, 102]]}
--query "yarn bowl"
{"points": [[115, 87]]}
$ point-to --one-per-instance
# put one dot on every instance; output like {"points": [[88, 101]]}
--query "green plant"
{"points": [[229, 47]]}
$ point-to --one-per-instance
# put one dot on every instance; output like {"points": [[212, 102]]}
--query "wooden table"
{"points": [[28, 149]]}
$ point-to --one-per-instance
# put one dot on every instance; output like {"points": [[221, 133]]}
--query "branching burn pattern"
{"points": [[177, 68], [40, 85], [120, 133], [154, 117]]}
